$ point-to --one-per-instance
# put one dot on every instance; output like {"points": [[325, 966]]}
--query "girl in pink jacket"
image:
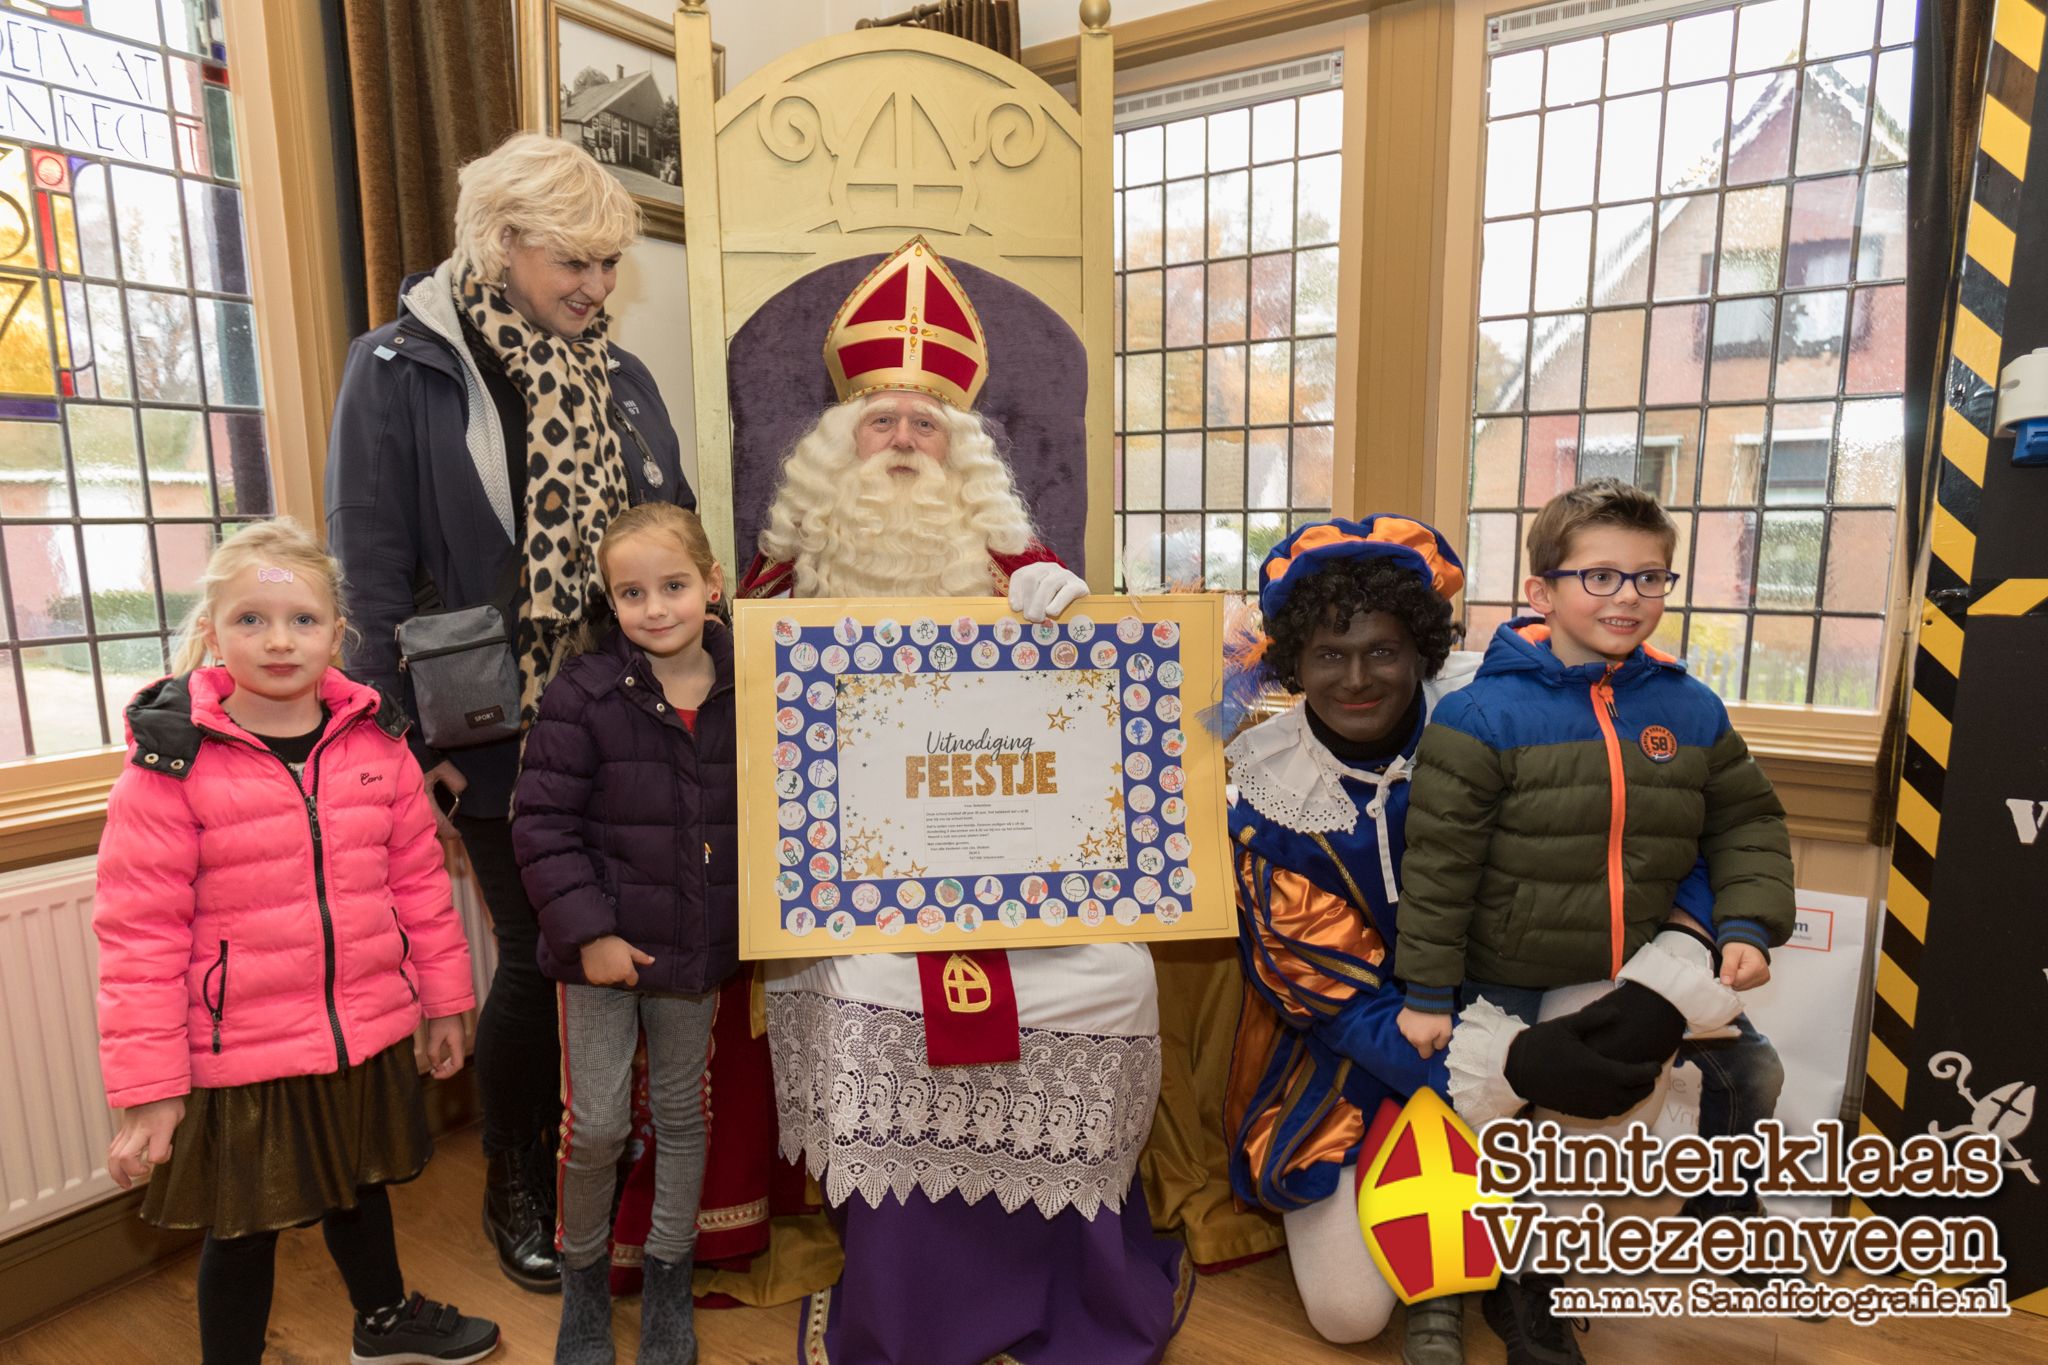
{"points": [[273, 921]]}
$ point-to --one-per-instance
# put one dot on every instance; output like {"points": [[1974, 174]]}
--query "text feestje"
{"points": [[1522, 1159], [981, 774]]}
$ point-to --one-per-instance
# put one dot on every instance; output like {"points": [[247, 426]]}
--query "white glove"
{"points": [[1677, 966], [1039, 592]]}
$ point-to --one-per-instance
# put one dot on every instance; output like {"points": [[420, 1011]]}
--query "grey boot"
{"points": [[668, 1330], [585, 1337], [1435, 1332]]}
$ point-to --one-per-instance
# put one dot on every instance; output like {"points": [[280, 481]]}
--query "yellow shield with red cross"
{"points": [[1415, 1202]]}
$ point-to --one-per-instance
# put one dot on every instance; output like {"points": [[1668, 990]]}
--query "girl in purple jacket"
{"points": [[274, 922], [625, 825]]}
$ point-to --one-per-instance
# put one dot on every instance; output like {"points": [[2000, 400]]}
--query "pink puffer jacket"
{"points": [[248, 932]]}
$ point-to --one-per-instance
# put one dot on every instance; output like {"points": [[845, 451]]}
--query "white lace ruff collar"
{"points": [[1283, 770]]}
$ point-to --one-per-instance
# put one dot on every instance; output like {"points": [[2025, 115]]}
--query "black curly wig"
{"points": [[1347, 588]]}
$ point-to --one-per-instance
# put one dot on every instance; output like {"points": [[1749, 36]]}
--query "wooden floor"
{"points": [[1249, 1315]]}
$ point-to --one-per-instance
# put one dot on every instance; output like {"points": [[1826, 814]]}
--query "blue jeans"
{"points": [[1740, 1079]]}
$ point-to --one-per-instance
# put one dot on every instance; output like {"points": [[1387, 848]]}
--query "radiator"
{"points": [[54, 1120]]}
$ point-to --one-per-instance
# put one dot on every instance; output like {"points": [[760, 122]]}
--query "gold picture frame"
{"points": [[629, 119]]}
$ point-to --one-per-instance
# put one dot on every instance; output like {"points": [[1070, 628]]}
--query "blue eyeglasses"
{"points": [[1607, 582]]}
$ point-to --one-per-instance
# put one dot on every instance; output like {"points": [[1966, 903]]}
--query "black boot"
{"points": [[668, 1334], [585, 1336], [518, 1221]]}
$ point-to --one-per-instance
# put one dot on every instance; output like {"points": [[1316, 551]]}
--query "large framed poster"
{"points": [[933, 773]]}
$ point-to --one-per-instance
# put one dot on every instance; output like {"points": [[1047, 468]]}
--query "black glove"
{"points": [[1552, 1066], [1632, 1023]]}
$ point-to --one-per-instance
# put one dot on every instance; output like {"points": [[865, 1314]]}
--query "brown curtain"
{"points": [[433, 87], [1951, 47], [991, 23]]}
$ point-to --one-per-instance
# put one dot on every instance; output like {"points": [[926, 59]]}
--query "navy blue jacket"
{"points": [[628, 823], [406, 506]]}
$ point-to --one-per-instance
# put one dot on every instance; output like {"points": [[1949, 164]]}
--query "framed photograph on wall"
{"points": [[603, 76]]}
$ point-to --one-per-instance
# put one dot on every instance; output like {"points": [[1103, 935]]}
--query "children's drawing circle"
{"points": [[1033, 889], [1102, 654], [824, 772], [944, 656], [786, 631], [1107, 884], [1073, 886], [1137, 766], [910, 895], [1166, 634], [867, 656], [1053, 912], [1151, 861], [1173, 743], [1168, 911], [1092, 912], [834, 659], [824, 866], [804, 657], [821, 696], [821, 834], [1176, 846], [909, 659], [801, 921], [820, 736], [968, 918], [789, 720], [1025, 655], [1170, 673], [1127, 911], [988, 890], [867, 896], [1139, 666], [846, 631], [888, 634], [839, 924], [924, 630], [1173, 810], [788, 784], [890, 921], [931, 919], [788, 886], [787, 755], [1137, 697], [1066, 654], [1171, 778], [825, 896], [789, 852], [1008, 631], [1181, 879], [1130, 630], [964, 630], [986, 653], [1144, 830], [1139, 799], [1168, 709], [949, 892], [1138, 730], [1044, 632], [1080, 629], [821, 805], [790, 815], [1011, 912], [788, 686]]}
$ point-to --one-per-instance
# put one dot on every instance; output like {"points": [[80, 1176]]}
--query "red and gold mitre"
{"points": [[909, 325]]}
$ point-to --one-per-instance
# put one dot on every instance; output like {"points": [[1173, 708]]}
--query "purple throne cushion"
{"points": [[1034, 401]]}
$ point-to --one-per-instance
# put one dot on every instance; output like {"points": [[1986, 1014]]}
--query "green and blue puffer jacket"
{"points": [[1556, 809]]}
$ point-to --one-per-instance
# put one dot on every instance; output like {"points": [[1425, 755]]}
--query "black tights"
{"points": [[518, 1058], [236, 1275]]}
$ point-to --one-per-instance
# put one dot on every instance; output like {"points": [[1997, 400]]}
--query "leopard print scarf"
{"points": [[576, 480]]}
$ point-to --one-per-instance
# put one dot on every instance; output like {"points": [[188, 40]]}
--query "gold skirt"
{"points": [[280, 1154]]}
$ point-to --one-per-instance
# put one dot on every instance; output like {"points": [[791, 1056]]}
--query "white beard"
{"points": [[890, 535]]}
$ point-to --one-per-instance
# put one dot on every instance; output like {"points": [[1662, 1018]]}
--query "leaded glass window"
{"points": [[1692, 278], [130, 425]]}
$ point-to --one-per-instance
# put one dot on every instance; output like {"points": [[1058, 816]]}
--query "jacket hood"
{"points": [[1523, 646], [168, 720]]}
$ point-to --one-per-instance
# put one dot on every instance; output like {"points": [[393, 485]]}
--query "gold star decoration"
{"points": [[913, 870], [1115, 800], [1058, 720], [876, 867]]}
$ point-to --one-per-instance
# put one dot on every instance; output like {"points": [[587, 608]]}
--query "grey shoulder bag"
{"points": [[465, 682]]}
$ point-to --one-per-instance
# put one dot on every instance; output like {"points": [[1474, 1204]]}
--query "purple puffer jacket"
{"points": [[627, 823]]}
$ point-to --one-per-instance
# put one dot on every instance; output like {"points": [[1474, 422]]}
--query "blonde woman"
{"points": [[481, 444]]}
